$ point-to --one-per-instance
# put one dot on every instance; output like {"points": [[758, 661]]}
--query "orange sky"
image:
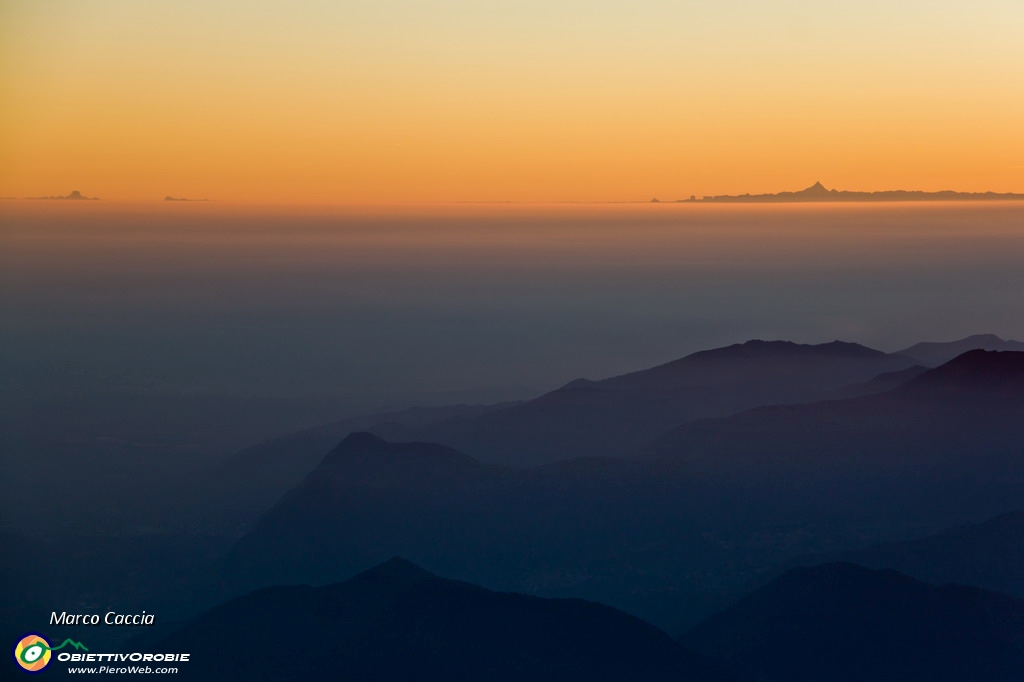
{"points": [[397, 100]]}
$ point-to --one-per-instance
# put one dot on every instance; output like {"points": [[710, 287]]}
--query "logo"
{"points": [[32, 652]]}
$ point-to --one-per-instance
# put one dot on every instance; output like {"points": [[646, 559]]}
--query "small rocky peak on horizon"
{"points": [[75, 195]]}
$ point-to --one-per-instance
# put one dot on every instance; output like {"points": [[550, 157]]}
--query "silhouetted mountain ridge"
{"points": [[938, 441], [616, 416], [818, 192], [936, 353], [845, 623], [709, 505], [996, 373], [759, 360], [397, 621]]}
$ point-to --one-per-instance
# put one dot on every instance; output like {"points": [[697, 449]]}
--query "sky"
{"points": [[316, 101]]}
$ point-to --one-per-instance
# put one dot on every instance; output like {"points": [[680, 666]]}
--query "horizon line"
{"points": [[816, 193]]}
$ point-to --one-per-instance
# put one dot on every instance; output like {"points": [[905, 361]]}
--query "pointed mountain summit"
{"points": [[818, 192], [816, 188]]}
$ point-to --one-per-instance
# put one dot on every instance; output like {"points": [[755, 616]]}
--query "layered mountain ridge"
{"points": [[665, 534]]}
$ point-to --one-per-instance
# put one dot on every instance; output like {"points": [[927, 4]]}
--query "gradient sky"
{"points": [[396, 100]]}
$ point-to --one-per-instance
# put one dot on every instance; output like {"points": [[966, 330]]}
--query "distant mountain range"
{"points": [[399, 622], [845, 623], [610, 417], [818, 193], [617, 416], [937, 441]]}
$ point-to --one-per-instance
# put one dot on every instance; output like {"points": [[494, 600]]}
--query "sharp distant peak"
{"points": [[816, 187]]}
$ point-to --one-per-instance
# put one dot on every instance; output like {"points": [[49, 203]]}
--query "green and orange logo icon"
{"points": [[33, 652]]}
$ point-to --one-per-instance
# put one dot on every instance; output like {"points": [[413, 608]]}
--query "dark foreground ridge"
{"points": [[818, 193], [400, 622], [845, 623]]}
